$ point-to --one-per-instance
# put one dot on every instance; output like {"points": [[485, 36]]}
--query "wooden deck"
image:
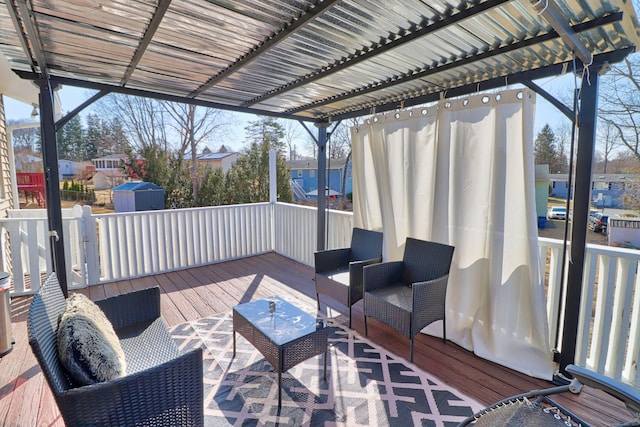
{"points": [[25, 399]]}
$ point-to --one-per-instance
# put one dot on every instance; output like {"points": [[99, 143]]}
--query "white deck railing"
{"points": [[141, 244], [609, 322], [295, 229], [110, 247]]}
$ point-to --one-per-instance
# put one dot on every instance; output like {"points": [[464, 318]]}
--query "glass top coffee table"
{"points": [[284, 334]]}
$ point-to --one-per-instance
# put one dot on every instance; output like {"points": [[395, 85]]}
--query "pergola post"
{"points": [[52, 181], [581, 202], [322, 183]]}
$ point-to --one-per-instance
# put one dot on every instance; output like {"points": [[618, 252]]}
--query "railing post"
{"points": [[273, 176], [273, 193], [90, 239], [322, 183]]}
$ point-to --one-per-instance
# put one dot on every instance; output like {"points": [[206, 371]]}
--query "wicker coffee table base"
{"points": [[281, 356]]}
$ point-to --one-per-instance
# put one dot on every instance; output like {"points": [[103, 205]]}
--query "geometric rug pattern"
{"points": [[365, 386]]}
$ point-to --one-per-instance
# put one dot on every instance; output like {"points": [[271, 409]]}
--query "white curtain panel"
{"points": [[462, 173]]}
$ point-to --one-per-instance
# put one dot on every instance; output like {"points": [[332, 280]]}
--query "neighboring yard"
{"points": [[103, 204]]}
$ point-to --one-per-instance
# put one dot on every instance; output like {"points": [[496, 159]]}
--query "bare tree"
{"points": [[563, 141], [311, 147], [607, 136], [293, 132], [26, 138], [143, 120], [194, 125], [155, 127], [340, 142], [341, 138], [620, 108]]}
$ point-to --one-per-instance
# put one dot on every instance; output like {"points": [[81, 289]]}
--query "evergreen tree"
{"points": [[92, 137], [70, 139], [214, 189], [545, 150], [165, 169], [266, 130], [114, 138], [102, 137], [249, 176]]}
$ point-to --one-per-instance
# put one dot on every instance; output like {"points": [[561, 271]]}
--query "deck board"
{"points": [[187, 295]]}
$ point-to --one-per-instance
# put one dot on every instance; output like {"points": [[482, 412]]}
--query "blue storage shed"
{"points": [[138, 196]]}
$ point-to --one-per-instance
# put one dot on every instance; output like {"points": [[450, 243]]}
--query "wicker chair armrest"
{"points": [[362, 263], [168, 394], [132, 308], [356, 273], [332, 259], [627, 394], [429, 301], [356, 269], [376, 276]]}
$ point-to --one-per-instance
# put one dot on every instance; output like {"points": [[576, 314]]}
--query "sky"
{"points": [[71, 97]]}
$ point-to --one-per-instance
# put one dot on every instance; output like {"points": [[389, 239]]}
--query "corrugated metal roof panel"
{"points": [[314, 59]]}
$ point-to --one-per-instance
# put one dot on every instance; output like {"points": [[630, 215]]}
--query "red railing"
{"points": [[32, 184]]}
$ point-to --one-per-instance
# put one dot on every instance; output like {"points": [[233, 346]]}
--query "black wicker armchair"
{"points": [[339, 271], [162, 387], [409, 294]]}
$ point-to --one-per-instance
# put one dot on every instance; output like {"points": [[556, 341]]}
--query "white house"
{"points": [[69, 169]]}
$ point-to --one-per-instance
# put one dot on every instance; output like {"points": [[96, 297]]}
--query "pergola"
{"points": [[319, 62]]}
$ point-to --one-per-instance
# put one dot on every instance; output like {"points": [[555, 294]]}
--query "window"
{"points": [[312, 173], [299, 173], [600, 185]]}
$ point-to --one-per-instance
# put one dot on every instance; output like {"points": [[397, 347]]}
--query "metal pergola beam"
{"points": [[423, 29], [608, 19], [34, 37], [21, 36], [312, 13], [160, 10], [70, 115], [162, 97], [552, 13], [521, 77], [568, 112]]}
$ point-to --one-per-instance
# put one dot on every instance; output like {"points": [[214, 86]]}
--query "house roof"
{"points": [[308, 59], [313, 164], [27, 158], [136, 186], [211, 156], [330, 193], [609, 177]]}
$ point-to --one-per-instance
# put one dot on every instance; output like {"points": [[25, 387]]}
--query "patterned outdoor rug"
{"points": [[365, 386]]}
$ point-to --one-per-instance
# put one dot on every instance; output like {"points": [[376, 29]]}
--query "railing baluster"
{"points": [[620, 318]]}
